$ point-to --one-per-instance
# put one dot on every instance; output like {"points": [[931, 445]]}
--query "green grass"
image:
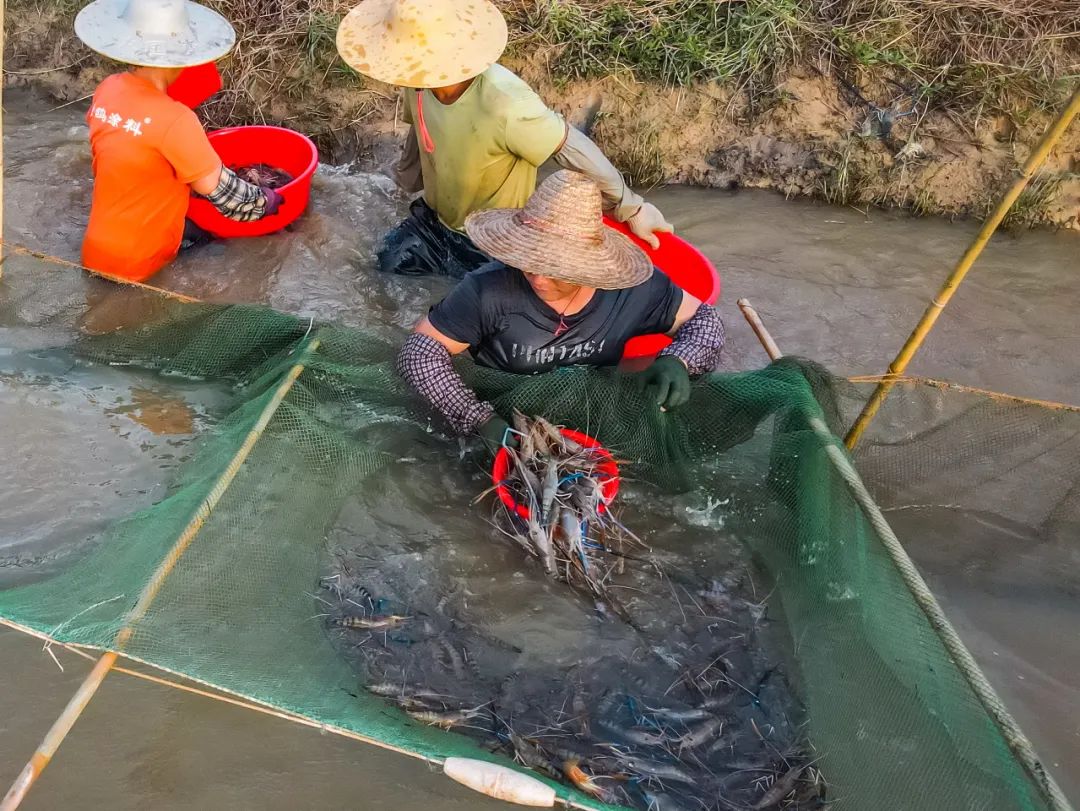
{"points": [[1008, 55], [320, 38], [671, 43], [1031, 206], [1000, 54]]}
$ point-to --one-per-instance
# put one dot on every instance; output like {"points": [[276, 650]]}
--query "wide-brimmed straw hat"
{"points": [[422, 43], [155, 33], [561, 233]]}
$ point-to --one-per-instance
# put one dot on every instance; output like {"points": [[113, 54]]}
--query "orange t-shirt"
{"points": [[147, 148]]}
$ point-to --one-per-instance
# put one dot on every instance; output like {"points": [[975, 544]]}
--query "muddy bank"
{"points": [[819, 140], [853, 137]]}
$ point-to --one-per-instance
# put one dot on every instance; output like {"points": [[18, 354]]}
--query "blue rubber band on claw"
{"points": [[508, 432]]}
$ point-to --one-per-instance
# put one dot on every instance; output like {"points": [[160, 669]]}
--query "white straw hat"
{"points": [[422, 43], [155, 33], [561, 233]]}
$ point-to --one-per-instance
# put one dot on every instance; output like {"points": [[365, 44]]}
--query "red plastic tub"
{"points": [[276, 146], [686, 266], [606, 468]]}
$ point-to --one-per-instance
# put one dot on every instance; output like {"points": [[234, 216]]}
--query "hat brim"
{"points": [[410, 59], [613, 262], [101, 28]]}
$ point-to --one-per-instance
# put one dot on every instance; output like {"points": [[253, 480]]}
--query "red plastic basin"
{"points": [[195, 85], [279, 147], [606, 468], [686, 266]]}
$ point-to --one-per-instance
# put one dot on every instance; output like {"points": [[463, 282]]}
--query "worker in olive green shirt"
{"points": [[478, 133]]}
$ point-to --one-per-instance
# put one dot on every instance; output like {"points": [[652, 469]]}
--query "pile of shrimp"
{"points": [[700, 723], [657, 692], [263, 174], [570, 527]]}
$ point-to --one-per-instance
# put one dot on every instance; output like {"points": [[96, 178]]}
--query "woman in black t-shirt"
{"points": [[584, 291]]}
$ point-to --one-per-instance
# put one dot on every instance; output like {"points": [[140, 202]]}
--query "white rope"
{"points": [[924, 598]]}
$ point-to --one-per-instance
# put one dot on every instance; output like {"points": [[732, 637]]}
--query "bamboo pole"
{"points": [[86, 691], [56, 260], [937, 304], [773, 351], [1018, 742], [1050, 405]]}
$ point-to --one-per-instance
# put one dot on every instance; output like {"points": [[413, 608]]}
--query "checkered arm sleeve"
{"points": [[237, 199], [699, 342], [425, 364]]}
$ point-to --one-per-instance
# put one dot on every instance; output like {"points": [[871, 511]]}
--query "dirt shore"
{"points": [[856, 139]]}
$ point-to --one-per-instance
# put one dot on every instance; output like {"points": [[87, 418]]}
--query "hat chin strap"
{"points": [[425, 136]]}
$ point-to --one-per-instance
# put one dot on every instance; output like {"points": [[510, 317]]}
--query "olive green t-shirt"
{"points": [[488, 145]]}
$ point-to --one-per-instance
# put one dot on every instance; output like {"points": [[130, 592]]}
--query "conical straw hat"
{"points": [[422, 43], [561, 233], [155, 33]]}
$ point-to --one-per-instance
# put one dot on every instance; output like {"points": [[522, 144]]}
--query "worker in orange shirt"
{"points": [[149, 151]]}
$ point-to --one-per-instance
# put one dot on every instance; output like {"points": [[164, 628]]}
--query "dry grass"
{"points": [[971, 54], [283, 48], [637, 156], [283, 70]]}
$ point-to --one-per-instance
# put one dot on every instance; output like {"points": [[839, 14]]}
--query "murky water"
{"points": [[84, 447], [837, 285]]}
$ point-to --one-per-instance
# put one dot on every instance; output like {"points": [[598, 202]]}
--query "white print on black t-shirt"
{"points": [[556, 354]]}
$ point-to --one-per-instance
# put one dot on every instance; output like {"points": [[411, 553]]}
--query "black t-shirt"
{"points": [[506, 325]]}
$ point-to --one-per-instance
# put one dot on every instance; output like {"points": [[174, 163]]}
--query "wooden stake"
{"points": [[754, 320]]}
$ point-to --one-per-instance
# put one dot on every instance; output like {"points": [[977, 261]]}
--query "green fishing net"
{"points": [[892, 722]]}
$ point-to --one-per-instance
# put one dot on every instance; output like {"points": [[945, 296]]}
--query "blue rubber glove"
{"points": [[666, 382]]}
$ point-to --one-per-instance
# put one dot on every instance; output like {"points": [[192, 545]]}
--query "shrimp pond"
{"points": [[690, 700]]}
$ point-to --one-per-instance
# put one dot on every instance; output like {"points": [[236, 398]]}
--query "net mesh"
{"points": [[892, 721]]}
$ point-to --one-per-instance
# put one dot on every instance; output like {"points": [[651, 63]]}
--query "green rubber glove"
{"points": [[493, 432], [666, 382]]}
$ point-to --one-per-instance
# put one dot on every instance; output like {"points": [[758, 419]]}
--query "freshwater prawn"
{"points": [[568, 525]]}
